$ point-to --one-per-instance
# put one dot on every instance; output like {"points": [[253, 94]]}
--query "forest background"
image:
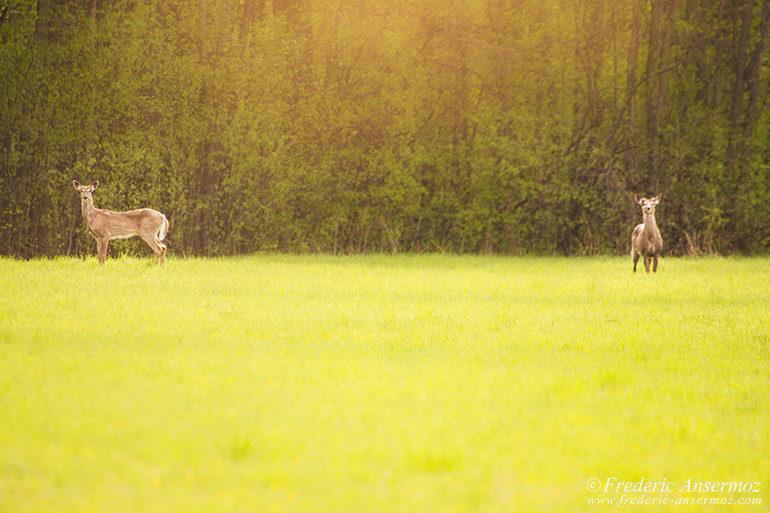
{"points": [[349, 126]]}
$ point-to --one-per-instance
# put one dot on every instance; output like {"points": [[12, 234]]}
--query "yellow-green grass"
{"points": [[378, 383]]}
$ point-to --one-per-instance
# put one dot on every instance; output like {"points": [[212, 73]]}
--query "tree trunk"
{"points": [[662, 27], [633, 63], [734, 139]]}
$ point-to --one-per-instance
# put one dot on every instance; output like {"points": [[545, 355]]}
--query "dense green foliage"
{"points": [[372, 383], [408, 125]]}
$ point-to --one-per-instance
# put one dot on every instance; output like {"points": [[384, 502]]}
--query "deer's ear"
{"points": [[656, 199], [637, 198], [76, 184], [95, 185]]}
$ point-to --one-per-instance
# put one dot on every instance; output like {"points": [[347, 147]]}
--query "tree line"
{"points": [[350, 126]]}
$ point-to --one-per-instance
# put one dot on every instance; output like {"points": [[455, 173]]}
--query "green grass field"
{"points": [[379, 383]]}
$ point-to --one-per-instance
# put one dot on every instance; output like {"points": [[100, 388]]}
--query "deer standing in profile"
{"points": [[104, 225], [646, 241]]}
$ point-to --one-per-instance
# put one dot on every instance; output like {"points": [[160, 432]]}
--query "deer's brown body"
{"points": [[646, 241], [104, 225]]}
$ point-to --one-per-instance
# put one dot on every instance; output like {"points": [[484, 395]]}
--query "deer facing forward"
{"points": [[646, 241], [104, 225]]}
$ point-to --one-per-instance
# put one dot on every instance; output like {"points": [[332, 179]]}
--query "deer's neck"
{"points": [[651, 231], [89, 210]]}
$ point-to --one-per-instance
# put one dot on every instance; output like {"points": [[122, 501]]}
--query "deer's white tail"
{"points": [[163, 229]]}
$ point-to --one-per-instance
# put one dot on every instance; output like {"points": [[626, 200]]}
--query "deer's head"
{"points": [[648, 205], [85, 190]]}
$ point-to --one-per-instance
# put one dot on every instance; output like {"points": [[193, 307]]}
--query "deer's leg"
{"points": [[154, 245], [636, 259], [655, 263], [101, 248], [162, 251], [647, 264]]}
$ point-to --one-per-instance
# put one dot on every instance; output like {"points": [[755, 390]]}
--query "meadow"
{"points": [[379, 383]]}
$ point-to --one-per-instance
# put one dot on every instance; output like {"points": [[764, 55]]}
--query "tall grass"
{"points": [[376, 383]]}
